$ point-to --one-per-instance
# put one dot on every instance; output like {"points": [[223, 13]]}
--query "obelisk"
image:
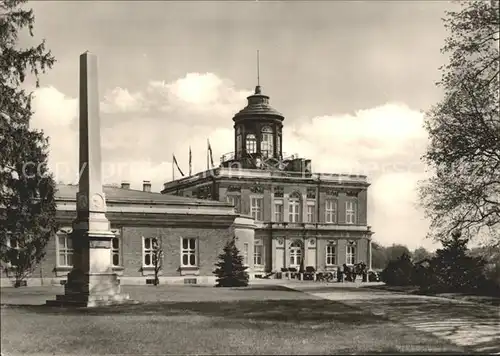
{"points": [[91, 282]]}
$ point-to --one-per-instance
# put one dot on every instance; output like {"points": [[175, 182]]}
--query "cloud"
{"points": [[141, 130], [120, 100]]}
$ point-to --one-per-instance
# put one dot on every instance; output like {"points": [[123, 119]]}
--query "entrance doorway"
{"points": [[296, 254]]}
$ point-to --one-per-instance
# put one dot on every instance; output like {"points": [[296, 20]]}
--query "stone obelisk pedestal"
{"points": [[91, 282]]}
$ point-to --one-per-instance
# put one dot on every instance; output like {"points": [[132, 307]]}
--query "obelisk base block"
{"points": [[92, 282], [91, 290]]}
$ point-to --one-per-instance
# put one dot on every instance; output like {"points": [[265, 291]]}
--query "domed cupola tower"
{"points": [[258, 131]]}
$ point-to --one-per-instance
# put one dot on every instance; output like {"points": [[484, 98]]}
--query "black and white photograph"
{"points": [[249, 177]]}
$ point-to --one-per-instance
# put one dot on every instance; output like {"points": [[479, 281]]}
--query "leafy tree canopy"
{"points": [[464, 128], [27, 205]]}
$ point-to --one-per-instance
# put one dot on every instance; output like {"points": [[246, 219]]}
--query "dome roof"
{"points": [[258, 105]]}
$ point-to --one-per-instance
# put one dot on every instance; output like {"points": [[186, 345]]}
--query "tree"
{"points": [[379, 256], [230, 270], [27, 204], [455, 269], [421, 254], [399, 272], [396, 251], [464, 128], [157, 260]]}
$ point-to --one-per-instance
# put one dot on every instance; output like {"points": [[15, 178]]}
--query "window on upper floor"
{"points": [[294, 208], [311, 207], [234, 200], [189, 252], [251, 143], [278, 210], [256, 207], [331, 211], [350, 212], [267, 142]]}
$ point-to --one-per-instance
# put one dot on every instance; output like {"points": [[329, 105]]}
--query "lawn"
{"points": [[476, 298], [202, 320]]}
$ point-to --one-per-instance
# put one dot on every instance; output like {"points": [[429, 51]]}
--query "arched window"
{"points": [[251, 143], [295, 254], [331, 253], [350, 253], [294, 208], [267, 142], [278, 145]]}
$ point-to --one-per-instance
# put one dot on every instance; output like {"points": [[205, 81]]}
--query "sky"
{"points": [[352, 79]]}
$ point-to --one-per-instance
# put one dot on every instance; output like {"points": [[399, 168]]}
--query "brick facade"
{"points": [[211, 228]]}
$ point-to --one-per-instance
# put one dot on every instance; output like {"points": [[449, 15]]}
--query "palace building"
{"points": [[281, 213], [301, 217]]}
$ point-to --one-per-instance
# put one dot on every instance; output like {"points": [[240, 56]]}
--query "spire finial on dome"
{"points": [[258, 69], [257, 88]]}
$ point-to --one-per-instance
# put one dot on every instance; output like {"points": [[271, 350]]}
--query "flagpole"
{"points": [[208, 145], [190, 170], [173, 172]]}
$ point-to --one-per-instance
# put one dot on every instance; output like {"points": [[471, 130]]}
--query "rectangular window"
{"points": [[64, 250], [115, 251], [256, 208], [350, 255], [278, 210], [235, 201], [331, 211], [331, 254], [188, 252], [350, 212], [149, 246], [310, 211], [11, 245], [293, 211], [245, 254], [258, 254]]}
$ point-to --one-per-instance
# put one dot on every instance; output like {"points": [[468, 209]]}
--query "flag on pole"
{"points": [[174, 160], [209, 154], [190, 161]]}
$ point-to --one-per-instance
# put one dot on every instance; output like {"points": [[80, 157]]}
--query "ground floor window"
{"points": [[258, 253], [115, 251], [295, 254], [331, 254], [11, 244], [64, 250], [245, 254], [149, 248], [351, 253], [188, 252]]}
